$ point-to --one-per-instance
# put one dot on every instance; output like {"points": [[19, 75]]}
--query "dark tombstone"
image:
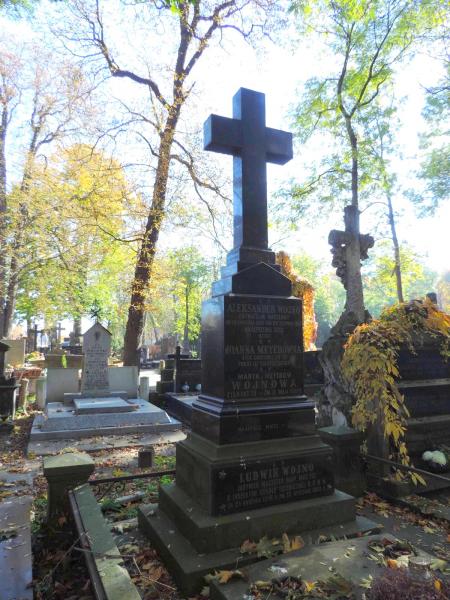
{"points": [[254, 460], [146, 458], [8, 388], [188, 372]]}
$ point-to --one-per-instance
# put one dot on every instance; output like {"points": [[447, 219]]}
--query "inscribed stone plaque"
{"points": [[96, 347], [263, 347], [247, 486]]}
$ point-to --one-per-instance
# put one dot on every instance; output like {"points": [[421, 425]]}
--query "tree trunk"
{"points": [[186, 347], [76, 331], [11, 296], [3, 208], [355, 296], [146, 255], [397, 263]]}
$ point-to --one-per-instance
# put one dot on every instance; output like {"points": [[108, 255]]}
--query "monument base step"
{"points": [[189, 567], [215, 533]]}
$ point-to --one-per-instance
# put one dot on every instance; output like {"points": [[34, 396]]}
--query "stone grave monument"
{"points": [[254, 464], [186, 386], [98, 410]]}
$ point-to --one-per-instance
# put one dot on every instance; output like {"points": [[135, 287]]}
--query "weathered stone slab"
{"points": [[95, 533], [62, 423], [15, 549], [85, 406], [124, 378], [61, 381], [60, 417], [349, 558], [135, 438], [188, 567]]}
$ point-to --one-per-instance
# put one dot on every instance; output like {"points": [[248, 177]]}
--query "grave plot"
{"points": [[97, 410]]}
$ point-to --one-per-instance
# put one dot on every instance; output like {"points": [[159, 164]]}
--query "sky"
{"points": [[280, 71]]}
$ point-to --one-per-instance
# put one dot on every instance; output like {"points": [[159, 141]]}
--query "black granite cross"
{"points": [[252, 145]]}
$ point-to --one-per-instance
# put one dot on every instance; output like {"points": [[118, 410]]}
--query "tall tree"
{"points": [[52, 93], [79, 236], [435, 167], [369, 40], [191, 276], [11, 69], [193, 25]]}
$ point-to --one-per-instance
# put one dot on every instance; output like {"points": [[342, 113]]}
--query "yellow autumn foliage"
{"points": [[370, 365], [303, 290]]}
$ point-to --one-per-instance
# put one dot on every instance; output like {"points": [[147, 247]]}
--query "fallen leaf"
{"points": [[248, 547], [438, 565], [392, 563], [263, 585], [225, 576]]}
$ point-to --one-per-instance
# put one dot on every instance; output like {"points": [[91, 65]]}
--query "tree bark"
{"points": [[355, 296], [186, 347], [146, 255], [397, 262], [3, 209], [77, 331], [11, 296]]}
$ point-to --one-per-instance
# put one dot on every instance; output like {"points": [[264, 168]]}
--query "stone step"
{"points": [[189, 567]]}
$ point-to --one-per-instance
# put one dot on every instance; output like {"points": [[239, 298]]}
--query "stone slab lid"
{"points": [[86, 406]]}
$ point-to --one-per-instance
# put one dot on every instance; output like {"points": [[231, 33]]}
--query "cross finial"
{"points": [[252, 145]]}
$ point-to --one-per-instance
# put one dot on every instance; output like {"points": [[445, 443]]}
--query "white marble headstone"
{"points": [[96, 349]]}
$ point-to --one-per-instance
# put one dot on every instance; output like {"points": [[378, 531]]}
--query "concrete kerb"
{"points": [[109, 577]]}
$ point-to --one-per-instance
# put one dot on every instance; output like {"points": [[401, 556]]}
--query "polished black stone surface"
{"points": [[242, 421], [252, 347], [247, 486], [252, 145], [426, 363]]}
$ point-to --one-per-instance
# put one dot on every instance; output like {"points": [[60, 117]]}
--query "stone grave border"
{"points": [[110, 580]]}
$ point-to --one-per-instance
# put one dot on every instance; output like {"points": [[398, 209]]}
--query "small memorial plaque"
{"points": [[263, 347], [248, 486]]}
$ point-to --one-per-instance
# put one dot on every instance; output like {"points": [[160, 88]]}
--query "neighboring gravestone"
{"points": [[60, 382], [15, 355], [97, 348], [125, 379], [253, 461]]}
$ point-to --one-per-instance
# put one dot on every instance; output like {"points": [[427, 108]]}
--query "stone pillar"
{"points": [[144, 388], [349, 475], [41, 392], [65, 472]]}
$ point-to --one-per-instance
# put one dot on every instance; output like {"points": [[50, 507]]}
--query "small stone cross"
{"points": [[252, 145]]}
